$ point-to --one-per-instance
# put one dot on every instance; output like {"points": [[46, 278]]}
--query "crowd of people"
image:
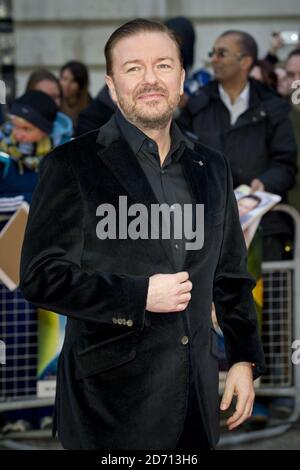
{"points": [[242, 106], [241, 102]]}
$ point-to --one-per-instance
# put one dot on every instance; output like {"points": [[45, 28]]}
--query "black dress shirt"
{"points": [[167, 180]]}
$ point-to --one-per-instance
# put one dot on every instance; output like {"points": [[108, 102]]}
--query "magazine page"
{"points": [[252, 206]]}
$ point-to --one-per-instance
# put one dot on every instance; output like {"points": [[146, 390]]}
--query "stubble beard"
{"points": [[145, 119]]}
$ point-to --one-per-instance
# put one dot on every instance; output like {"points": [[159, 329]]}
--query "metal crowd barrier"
{"points": [[19, 334], [281, 325]]}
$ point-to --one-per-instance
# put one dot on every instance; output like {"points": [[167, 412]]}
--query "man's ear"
{"points": [[246, 62], [182, 82], [110, 83]]}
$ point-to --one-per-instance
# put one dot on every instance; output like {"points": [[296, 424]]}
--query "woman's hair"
{"points": [[79, 72], [41, 75], [269, 76]]}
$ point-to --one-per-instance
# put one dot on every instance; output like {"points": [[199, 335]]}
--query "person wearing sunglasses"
{"points": [[249, 123]]}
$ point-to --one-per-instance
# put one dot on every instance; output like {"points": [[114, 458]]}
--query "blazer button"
{"points": [[129, 323], [184, 340], [114, 320], [120, 321]]}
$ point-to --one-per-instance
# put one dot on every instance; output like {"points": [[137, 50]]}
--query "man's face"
{"points": [[147, 79], [246, 204], [227, 61], [292, 71]]}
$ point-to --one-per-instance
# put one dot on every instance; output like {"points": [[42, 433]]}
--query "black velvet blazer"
{"points": [[123, 371]]}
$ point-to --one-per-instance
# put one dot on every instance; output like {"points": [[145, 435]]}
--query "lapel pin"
{"points": [[200, 162]]}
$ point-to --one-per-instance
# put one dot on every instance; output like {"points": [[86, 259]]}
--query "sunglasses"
{"points": [[223, 53]]}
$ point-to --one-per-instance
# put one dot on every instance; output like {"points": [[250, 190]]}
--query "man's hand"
{"points": [[257, 185], [169, 292], [239, 382]]}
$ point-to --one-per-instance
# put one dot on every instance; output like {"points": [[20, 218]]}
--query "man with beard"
{"points": [[139, 365]]}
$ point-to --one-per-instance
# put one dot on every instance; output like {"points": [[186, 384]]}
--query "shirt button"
{"points": [[184, 340]]}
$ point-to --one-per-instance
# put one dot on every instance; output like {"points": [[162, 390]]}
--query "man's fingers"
{"points": [[227, 397], [243, 411], [169, 292], [182, 276], [185, 287], [181, 307], [184, 298], [243, 417], [240, 407], [236, 415]]}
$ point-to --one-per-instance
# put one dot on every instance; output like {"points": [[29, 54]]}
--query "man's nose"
{"points": [[215, 58], [150, 75]]}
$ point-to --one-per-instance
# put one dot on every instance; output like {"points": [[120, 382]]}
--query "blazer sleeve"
{"points": [[279, 177], [232, 293], [51, 274]]}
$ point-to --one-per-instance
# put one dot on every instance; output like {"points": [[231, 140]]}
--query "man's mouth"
{"points": [[217, 69], [150, 96]]}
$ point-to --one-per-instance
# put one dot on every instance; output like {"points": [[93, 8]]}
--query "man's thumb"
{"points": [[227, 398]]}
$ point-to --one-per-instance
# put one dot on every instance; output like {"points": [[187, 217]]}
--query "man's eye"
{"points": [[133, 69], [164, 66]]}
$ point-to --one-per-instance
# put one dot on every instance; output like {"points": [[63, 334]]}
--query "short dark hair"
{"points": [[138, 25], [293, 53], [246, 41]]}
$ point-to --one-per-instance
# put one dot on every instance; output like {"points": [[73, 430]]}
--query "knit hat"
{"points": [[36, 107]]}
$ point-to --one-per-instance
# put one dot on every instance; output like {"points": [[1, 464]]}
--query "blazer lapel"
{"points": [[194, 167], [124, 165]]}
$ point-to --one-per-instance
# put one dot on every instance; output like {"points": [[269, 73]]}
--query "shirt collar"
{"points": [[243, 96], [138, 141]]}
